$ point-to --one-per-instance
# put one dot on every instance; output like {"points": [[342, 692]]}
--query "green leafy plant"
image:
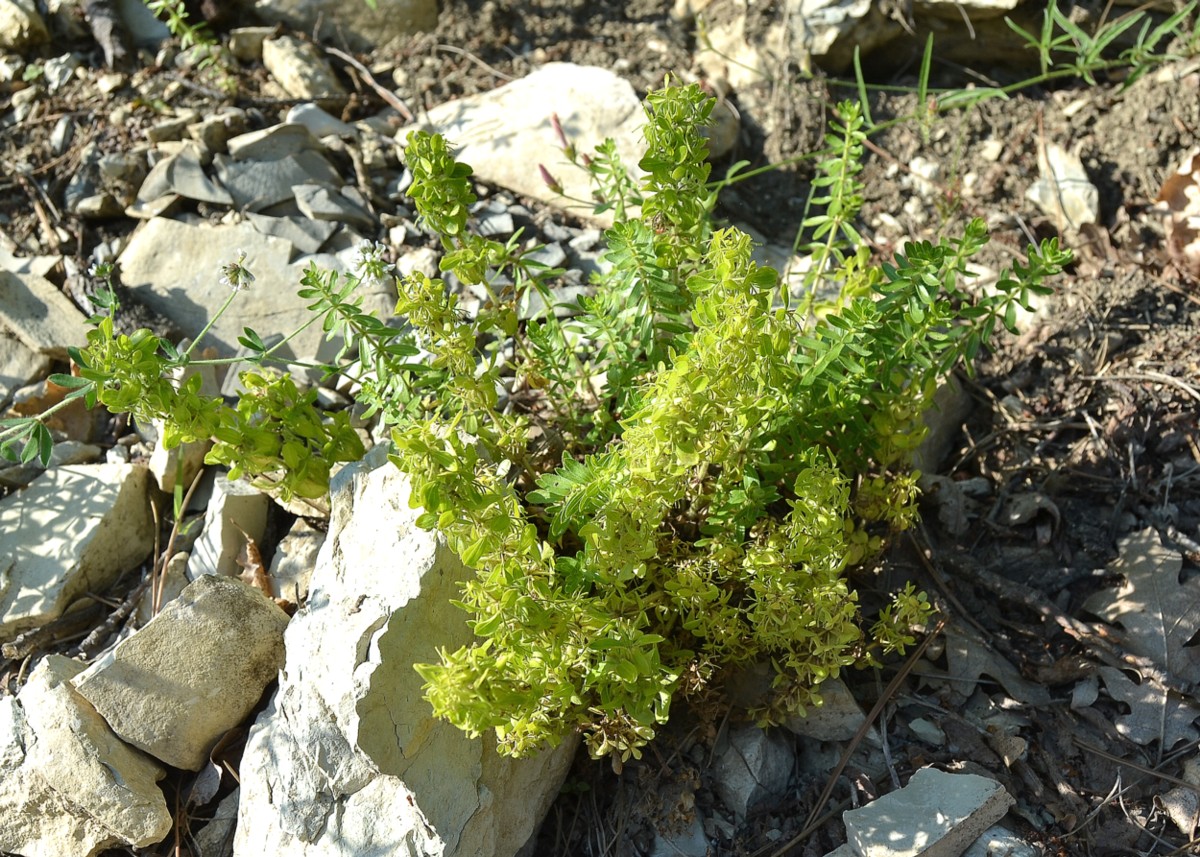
{"points": [[672, 483]]}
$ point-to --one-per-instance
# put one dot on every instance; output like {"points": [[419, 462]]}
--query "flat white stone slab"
{"points": [[75, 529], [936, 815], [505, 134]]}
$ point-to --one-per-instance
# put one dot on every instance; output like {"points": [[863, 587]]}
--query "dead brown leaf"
{"points": [[1180, 195], [1160, 614]]}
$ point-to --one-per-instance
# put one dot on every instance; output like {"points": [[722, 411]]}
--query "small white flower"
{"points": [[100, 270], [236, 275], [369, 263]]}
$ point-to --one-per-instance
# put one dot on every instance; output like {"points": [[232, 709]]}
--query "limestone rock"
{"points": [[347, 759], [19, 364], [68, 786], [936, 815], [255, 185], [193, 673], [359, 23], [752, 767], [838, 718], [302, 71], [49, 557], [20, 25], [40, 315], [174, 268], [294, 561], [506, 133], [269, 144], [237, 511]]}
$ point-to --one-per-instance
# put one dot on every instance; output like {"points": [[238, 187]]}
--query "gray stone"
{"points": [[58, 71], [505, 134], [301, 70], [236, 512], [306, 235], [174, 268], [321, 202], [838, 717], [494, 224], [347, 759], [320, 123], [192, 674], [246, 43], [683, 839], [169, 130], [294, 561], [100, 206], [936, 815], [214, 132], [62, 135], [39, 315], [67, 452], [552, 255], [274, 142], [144, 28], [752, 767], [358, 22], [19, 364], [68, 786], [48, 559], [999, 842], [185, 176], [20, 25], [256, 185], [215, 839]]}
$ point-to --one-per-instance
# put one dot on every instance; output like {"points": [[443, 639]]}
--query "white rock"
{"points": [[752, 767], [294, 561], [181, 463], [37, 313], [21, 25], [19, 364], [935, 815], [301, 70], [68, 786], [167, 260], [358, 22], [321, 202], [237, 511], [347, 759], [505, 134], [317, 121], [307, 236], [838, 718], [192, 674], [215, 838], [246, 43], [272, 143], [255, 185], [48, 558], [999, 842]]}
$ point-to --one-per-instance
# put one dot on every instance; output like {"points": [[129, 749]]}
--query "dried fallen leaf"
{"points": [[254, 572], [1160, 614], [968, 657], [1063, 189], [1180, 197]]}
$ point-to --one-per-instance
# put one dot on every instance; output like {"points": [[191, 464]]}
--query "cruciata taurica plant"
{"points": [[671, 483], [729, 466]]}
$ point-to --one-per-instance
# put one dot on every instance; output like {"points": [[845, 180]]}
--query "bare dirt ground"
{"points": [[1079, 434]]}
